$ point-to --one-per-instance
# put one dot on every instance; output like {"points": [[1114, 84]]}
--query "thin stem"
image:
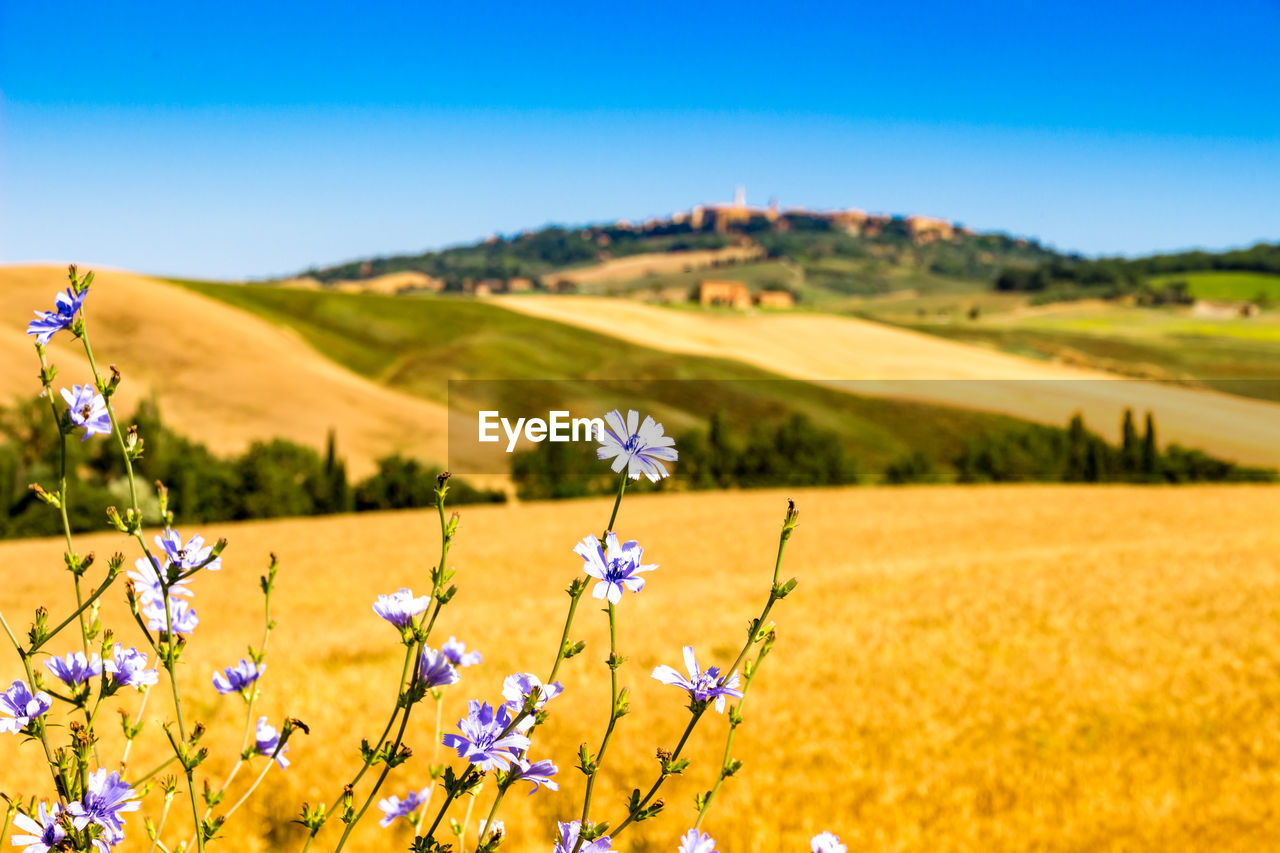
{"points": [[247, 794], [164, 816], [735, 720], [148, 775], [83, 606], [774, 595], [404, 722], [142, 706], [488, 821], [617, 501], [614, 663]]}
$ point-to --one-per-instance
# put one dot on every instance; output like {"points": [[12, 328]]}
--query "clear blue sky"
{"points": [[249, 139]]}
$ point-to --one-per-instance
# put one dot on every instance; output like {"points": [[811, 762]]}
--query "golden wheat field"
{"points": [[961, 668]]}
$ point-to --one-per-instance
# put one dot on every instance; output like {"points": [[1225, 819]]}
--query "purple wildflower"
{"points": [[395, 808], [128, 668], [189, 556], [482, 741], [44, 832], [695, 841], [435, 670], [87, 409], [517, 687], [106, 797], [569, 839], [22, 706], [640, 448], [456, 652], [181, 619], [65, 307], [400, 607], [266, 739], [615, 567], [237, 678], [539, 773], [826, 842], [74, 668], [702, 686], [146, 581]]}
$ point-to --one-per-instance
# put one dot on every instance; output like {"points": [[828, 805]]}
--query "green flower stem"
{"points": [[150, 774], [386, 768], [774, 595], [735, 720], [164, 817], [488, 821], [83, 606], [252, 697], [8, 816], [617, 501], [614, 716]]}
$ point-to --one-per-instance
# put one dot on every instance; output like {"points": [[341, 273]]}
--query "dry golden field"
{"points": [[962, 668], [631, 267], [178, 345], [872, 358]]}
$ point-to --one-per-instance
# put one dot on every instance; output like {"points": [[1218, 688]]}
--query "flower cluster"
{"points": [[161, 586]]}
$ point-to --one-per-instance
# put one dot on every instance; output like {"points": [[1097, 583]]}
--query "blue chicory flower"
{"points": [[44, 830], [189, 556], [87, 409], [400, 607], [47, 323], [181, 619], [75, 668], [128, 668], [826, 842], [482, 741], [539, 773], [615, 566], [22, 706], [266, 739], [517, 687], [238, 678], [106, 797], [395, 808], [569, 839], [147, 584], [456, 652], [639, 448], [697, 842], [702, 686], [435, 670]]}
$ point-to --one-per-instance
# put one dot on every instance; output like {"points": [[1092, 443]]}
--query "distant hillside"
{"points": [[1154, 276], [831, 252]]}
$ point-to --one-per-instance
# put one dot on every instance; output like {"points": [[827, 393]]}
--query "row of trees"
{"points": [[271, 479], [795, 452], [1034, 453], [1120, 276]]}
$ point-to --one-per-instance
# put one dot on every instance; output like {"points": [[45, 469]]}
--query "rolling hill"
{"points": [[869, 358], [222, 376]]}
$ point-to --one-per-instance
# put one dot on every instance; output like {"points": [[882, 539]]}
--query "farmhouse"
{"points": [[775, 299], [722, 292]]}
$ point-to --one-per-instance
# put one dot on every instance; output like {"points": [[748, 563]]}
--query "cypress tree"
{"points": [[1150, 452]]}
